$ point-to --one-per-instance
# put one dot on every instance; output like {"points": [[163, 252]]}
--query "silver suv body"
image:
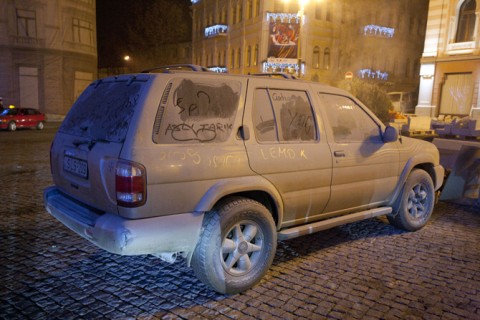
{"points": [[217, 168]]}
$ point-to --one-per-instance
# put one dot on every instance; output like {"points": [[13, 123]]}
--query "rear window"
{"points": [[104, 110], [197, 111]]}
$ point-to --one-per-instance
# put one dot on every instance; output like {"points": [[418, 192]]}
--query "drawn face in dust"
{"points": [[200, 101]]}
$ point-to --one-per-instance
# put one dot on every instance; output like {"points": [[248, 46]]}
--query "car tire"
{"points": [[415, 205], [40, 125], [237, 246], [12, 126]]}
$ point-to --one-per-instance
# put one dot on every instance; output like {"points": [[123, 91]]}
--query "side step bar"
{"points": [[310, 228]]}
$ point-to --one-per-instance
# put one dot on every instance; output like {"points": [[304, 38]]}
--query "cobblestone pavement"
{"points": [[364, 270]]}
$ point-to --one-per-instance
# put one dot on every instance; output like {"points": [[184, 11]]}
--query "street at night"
{"points": [[363, 270]]}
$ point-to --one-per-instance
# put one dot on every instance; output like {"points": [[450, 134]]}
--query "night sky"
{"points": [[113, 20], [112, 23]]}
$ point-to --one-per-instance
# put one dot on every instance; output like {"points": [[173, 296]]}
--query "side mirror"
{"points": [[390, 134]]}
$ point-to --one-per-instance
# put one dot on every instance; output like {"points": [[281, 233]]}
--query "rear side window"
{"points": [[349, 122], [283, 116], [197, 111], [104, 110]]}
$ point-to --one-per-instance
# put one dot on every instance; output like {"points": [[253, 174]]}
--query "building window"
{"points": [[255, 56], [240, 11], [257, 8], [249, 56], [239, 58], [316, 57], [326, 59], [466, 21], [82, 32], [26, 23], [249, 9], [234, 14], [232, 59], [318, 11]]}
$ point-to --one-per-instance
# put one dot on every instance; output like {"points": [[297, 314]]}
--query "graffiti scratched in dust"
{"points": [[197, 132], [297, 120], [201, 111], [197, 101]]}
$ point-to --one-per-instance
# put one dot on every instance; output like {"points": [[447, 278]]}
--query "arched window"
{"points": [[326, 59], [316, 58], [466, 21]]}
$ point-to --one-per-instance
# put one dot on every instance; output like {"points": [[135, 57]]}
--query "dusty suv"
{"points": [[217, 168]]}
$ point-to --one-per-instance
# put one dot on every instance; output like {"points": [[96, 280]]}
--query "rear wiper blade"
{"points": [[90, 143]]}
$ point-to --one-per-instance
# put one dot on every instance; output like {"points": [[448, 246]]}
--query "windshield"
{"points": [[104, 110]]}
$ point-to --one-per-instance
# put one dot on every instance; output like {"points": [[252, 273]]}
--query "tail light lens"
{"points": [[130, 184]]}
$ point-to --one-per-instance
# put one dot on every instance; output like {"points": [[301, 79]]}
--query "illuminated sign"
{"points": [[372, 74], [283, 17], [374, 30], [218, 69], [216, 30]]}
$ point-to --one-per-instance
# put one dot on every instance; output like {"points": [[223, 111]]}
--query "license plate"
{"points": [[75, 166]]}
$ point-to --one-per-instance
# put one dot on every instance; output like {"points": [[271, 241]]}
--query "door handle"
{"points": [[339, 154]]}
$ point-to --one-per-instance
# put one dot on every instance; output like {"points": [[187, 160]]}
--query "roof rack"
{"points": [[275, 75], [189, 67]]}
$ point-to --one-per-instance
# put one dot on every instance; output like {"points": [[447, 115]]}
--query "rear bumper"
{"points": [[161, 236]]}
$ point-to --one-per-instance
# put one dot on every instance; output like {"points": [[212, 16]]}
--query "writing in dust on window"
{"points": [[201, 112], [295, 115]]}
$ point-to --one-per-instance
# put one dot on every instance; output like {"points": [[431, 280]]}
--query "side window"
{"points": [[196, 111], [349, 122], [283, 115]]}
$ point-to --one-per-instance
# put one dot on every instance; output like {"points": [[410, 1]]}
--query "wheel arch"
{"points": [[409, 167], [254, 188]]}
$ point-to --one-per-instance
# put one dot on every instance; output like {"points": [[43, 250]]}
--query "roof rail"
{"points": [[275, 75], [189, 67]]}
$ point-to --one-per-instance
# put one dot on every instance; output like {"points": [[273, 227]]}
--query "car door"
{"points": [[365, 169], [288, 147]]}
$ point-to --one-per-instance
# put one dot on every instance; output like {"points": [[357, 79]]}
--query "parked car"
{"points": [[13, 118], [216, 168]]}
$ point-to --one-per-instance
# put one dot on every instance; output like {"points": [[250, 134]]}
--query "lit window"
{"points": [[316, 57], [326, 59]]}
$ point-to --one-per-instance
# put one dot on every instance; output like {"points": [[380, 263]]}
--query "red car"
{"points": [[14, 118]]}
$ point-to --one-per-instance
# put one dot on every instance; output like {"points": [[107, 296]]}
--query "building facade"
{"points": [[450, 64], [48, 52], [327, 40]]}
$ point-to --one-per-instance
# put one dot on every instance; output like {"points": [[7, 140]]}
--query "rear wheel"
{"points": [[237, 246], [12, 126], [416, 202]]}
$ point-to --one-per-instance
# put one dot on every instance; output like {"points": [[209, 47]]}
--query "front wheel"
{"points": [[415, 205], [237, 246]]}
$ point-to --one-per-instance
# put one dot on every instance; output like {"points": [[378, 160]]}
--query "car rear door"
{"points": [[288, 147]]}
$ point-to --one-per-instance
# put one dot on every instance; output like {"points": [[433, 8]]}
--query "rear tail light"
{"points": [[130, 184]]}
